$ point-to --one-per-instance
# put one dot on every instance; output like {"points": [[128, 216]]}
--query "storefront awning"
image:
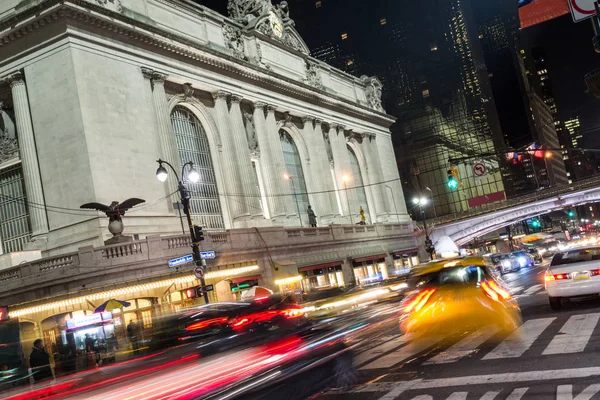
{"points": [[320, 266], [370, 258], [405, 252], [245, 278]]}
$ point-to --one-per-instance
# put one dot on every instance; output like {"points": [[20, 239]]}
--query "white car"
{"points": [[573, 273]]}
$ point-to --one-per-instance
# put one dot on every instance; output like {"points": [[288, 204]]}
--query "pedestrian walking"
{"points": [[39, 361]]}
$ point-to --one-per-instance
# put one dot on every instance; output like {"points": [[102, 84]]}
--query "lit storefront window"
{"points": [[322, 276], [404, 261], [370, 270]]}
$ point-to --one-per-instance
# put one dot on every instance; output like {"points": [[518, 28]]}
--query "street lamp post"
{"points": [[421, 202], [184, 194], [393, 199], [345, 179], [289, 177], [432, 202]]}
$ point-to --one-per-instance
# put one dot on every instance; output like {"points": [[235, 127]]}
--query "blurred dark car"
{"points": [[226, 325], [524, 258], [537, 257]]}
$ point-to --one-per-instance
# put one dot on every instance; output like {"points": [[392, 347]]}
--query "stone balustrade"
{"points": [[158, 249]]}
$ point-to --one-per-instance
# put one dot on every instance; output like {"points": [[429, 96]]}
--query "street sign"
{"points": [[199, 272], [582, 9], [479, 170], [207, 255], [176, 262], [207, 288]]}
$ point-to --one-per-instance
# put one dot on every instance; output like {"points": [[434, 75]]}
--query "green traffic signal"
{"points": [[535, 223], [571, 213], [452, 183]]}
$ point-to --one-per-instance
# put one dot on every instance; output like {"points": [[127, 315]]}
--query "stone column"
{"points": [[243, 160], [343, 169], [272, 176], [233, 183], [378, 188], [29, 160], [390, 173], [320, 173], [166, 145]]}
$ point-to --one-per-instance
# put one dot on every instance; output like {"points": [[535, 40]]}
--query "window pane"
{"points": [[192, 144], [293, 165], [14, 218], [358, 183]]}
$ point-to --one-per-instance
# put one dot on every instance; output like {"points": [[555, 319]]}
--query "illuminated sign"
{"points": [[88, 320], [180, 261], [3, 313], [538, 11]]}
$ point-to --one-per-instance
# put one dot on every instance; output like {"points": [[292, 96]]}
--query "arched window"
{"points": [[358, 182], [293, 165], [192, 145]]}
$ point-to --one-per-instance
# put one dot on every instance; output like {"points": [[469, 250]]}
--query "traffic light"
{"points": [[535, 223], [571, 213], [198, 234], [191, 293], [453, 178]]}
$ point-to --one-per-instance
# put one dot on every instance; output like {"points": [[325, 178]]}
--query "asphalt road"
{"points": [[556, 357]]}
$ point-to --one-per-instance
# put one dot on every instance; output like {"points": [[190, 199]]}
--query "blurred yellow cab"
{"points": [[452, 297]]}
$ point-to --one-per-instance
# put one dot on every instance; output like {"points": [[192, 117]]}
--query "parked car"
{"points": [[573, 273]]}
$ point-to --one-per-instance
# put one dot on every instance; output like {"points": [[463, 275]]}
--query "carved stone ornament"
{"points": [[9, 147], [251, 134], [327, 142], [247, 10], [234, 41], [283, 10], [373, 89], [188, 91], [313, 76], [114, 5]]}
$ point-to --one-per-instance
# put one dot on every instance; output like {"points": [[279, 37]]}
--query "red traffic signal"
{"points": [[191, 293], [3, 313]]}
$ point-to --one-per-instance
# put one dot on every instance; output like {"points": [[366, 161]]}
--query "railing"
{"points": [[515, 201], [160, 248]]}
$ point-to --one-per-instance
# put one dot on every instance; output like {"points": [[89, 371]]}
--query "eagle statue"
{"points": [[114, 212]]}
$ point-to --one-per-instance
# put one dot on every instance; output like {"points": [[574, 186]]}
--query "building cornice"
{"points": [[51, 11]]}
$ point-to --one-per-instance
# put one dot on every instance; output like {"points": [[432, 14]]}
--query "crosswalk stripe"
{"points": [[534, 288], [516, 290], [574, 335], [517, 394], [369, 354], [520, 340], [490, 395], [402, 354], [463, 348]]}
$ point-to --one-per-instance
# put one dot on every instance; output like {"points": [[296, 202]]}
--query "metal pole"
{"points": [[428, 246], [185, 201], [537, 182], [348, 203], [198, 261], [296, 200], [432, 201]]}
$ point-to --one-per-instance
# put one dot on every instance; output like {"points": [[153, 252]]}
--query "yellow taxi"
{"points": [[455, 296]]}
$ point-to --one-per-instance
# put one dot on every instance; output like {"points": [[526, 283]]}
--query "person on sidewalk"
{"points": [[39, 361]]}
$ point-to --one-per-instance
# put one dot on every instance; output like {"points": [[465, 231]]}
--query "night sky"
{"points": [[568, 47]]}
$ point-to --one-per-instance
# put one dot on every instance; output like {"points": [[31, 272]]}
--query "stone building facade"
{"points": [[94, 92]]}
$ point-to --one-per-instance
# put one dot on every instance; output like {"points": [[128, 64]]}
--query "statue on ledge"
{"points": [[114, 212]]}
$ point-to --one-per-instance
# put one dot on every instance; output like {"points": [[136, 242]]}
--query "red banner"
{"points": [[533, 12], [488, 198]]}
